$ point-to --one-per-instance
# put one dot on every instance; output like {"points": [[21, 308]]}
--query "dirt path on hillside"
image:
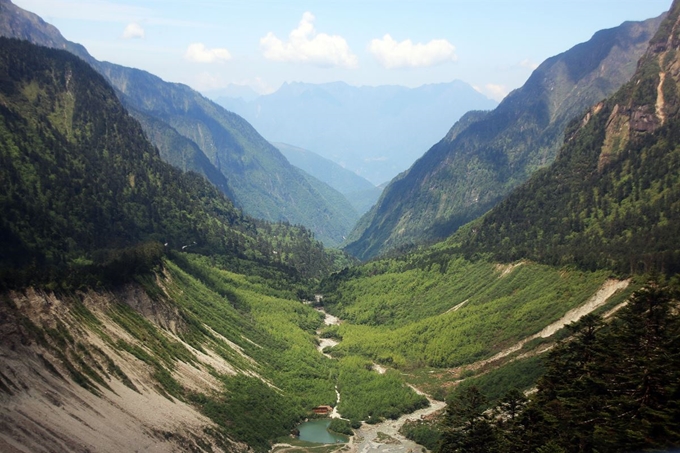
{"points": [[328, 320], [607, 290]]}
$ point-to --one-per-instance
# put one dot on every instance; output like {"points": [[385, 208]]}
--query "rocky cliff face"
{"points": [[654, 98]]}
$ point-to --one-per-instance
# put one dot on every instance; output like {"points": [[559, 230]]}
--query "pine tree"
{"points": [[468, 428]]}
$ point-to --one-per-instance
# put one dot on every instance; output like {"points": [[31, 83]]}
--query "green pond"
{"points": [[317, 431]]}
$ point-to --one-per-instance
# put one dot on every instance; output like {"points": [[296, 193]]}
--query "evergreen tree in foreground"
{"points": [[612, 387]]}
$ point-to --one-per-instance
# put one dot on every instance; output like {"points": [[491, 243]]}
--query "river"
{"points": [[382, 437]]}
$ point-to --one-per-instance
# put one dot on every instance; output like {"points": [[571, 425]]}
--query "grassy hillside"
{"points": [[433, 309]]}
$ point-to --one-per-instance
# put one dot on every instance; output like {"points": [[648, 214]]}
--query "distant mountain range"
{"points": [[487, 154], [233, 91], [196, 134], [377, 132]]}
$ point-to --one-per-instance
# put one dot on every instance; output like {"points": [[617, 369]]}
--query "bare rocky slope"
{"points": [[66, 384]]}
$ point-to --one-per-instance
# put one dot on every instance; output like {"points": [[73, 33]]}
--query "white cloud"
{"points": [[528, 64], [199, 53], [392, 54], [307, 46], [133, 31], [495, 92]]}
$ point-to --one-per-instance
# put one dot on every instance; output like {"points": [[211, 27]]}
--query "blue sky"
{"points": [[491, 44]]}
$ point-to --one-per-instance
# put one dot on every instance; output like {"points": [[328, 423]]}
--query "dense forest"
{"points": [[85, 192]]}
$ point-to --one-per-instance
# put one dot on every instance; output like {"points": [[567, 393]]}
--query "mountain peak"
{"points": [[610, 199]]}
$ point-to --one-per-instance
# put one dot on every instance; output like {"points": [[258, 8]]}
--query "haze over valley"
{"points": [[253, 227], [390, 125]]}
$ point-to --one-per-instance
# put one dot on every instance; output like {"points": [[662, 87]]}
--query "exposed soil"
{"points": [[42, 408], [384, 437], [607, 290]]}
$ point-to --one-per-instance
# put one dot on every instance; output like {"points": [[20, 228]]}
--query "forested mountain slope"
{"points": [[485, 155], [612, 197], [82, 184], [181, 122], [610, 201]]}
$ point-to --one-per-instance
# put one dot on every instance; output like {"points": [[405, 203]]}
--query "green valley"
{"points": [[412, 314], [141, 309]]}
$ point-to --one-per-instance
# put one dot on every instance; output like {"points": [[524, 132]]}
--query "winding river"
{"points": [[382, 437]]}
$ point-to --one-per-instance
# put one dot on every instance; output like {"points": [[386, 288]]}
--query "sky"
{"points": [[208, 44]]}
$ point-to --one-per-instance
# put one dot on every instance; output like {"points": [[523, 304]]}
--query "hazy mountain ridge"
{"points": [[376, 132], [488, 154], [361, 193], [264, 184], [255, 173]]}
